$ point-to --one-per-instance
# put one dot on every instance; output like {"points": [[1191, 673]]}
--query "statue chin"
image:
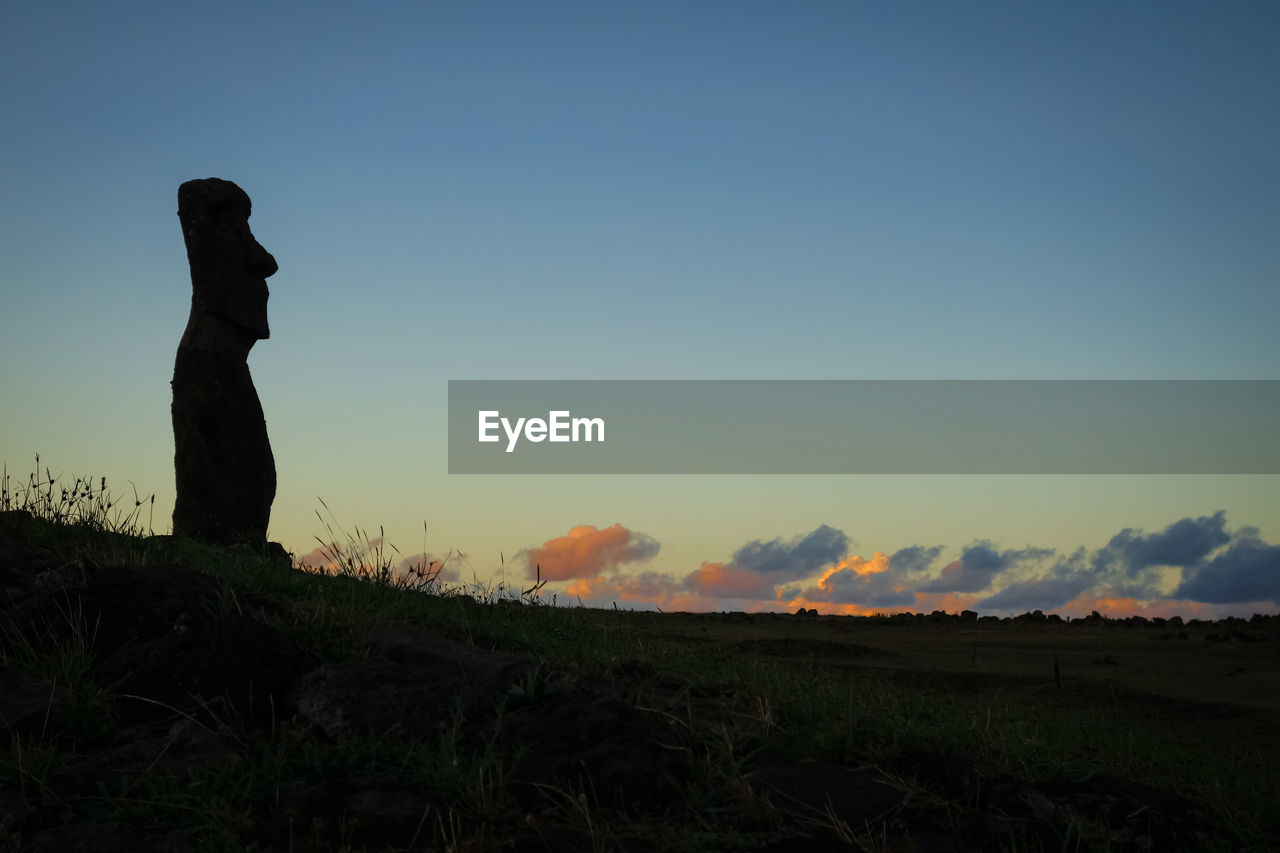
{"points": [[216, 334]]}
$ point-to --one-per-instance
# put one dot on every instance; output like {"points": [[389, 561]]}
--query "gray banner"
{"points": [[864, 427]]}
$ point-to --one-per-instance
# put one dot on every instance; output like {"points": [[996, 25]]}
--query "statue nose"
{"points": [[263, 263]]}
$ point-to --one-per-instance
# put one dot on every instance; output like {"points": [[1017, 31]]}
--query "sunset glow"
{"points": [[755, 192], [1134, 573]]}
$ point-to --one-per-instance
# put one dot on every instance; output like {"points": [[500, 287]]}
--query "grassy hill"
{"points": [[158, 694]]}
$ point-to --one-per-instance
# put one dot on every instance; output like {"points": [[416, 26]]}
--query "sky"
{"points": [[661, 190]]}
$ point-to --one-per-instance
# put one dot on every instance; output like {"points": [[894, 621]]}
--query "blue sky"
{"points": [[657, 190]]}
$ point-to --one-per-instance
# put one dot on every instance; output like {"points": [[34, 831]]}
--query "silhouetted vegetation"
{"points": [[158, 693]]}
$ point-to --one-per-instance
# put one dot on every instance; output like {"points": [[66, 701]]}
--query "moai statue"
{"points": [[226, 475]]}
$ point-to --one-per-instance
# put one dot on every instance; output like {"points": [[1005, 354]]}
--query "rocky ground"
{"points": [[188, 678]]}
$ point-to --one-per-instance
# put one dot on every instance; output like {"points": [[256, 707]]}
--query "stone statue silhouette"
{"points": [[226, 475]]}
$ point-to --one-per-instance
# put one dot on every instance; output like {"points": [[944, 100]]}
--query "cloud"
{"points": [[429, 564], [316, 558], [659, 590], [1138, 565], [1064, 581], [333, 556], [1183, 543], [1132, 572], [799, 558], [1120, 607], [881, 582], [368, 560], [1036, 594], [789, 604], [758, 568], [873, 583], [1249, 570], [586, 551], [1194, 566], [950, 602], [718, 580], [914, 558], [978, 566]]}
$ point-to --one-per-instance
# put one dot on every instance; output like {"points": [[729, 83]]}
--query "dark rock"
{"points": [[14, 522], [104, 838], [954, 775], [1094, 618], [139, 753], [471, 670], [633, 670], [110, 607], [31, 706], [226, 670], [557, 839], [226, 476], [463, 670], [158, 642], [356, 814], [808, 791], [569, 732], [278, 554], [412, 685], [21, 567], [579, 741], [805, 844], [375, 698]]}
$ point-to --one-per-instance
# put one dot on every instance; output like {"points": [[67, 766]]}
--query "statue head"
{"points": [[229, 268]]}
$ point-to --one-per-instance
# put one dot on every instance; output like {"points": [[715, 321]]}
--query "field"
{"points": [[160, 694]]}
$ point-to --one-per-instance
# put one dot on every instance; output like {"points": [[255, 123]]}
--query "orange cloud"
{"points": [[1173, 607], [861, 567], [661, 591], [370, 561], [948, 602], [588, 588], [587, 551], [333, 556], [824, 608], [315, 558], [1118, 607], [716, 580]]}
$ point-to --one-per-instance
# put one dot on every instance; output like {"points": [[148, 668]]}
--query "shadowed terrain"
{"points": [[161, 694]]}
